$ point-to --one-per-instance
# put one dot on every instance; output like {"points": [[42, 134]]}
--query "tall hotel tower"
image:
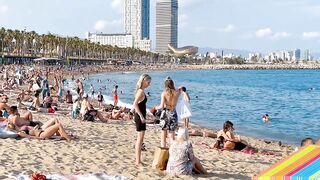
{"points": [[137, 22], [166, 25]]}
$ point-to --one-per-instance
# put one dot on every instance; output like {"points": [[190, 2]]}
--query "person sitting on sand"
{"points": [[24, 96], [18, 121], [84, 105], [96, 113], [47, 101], [181, 159], [3, 103], [68, 98], [232, 142], [46, 131], [35, 103]]}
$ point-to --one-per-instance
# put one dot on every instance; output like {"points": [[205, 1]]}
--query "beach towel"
{"points": [[183, 109], [95, 176], [4, 133]]}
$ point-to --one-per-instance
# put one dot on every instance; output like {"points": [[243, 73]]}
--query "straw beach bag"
{"points": [[161, 156]]}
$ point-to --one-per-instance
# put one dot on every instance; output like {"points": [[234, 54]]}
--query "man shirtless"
{"points": [[19, 121], [68, 98]]}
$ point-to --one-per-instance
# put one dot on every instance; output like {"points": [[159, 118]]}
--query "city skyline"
{"points": [[246, 24]]}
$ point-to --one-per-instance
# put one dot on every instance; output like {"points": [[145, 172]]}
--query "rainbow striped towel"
{"points": [[302, 165]]}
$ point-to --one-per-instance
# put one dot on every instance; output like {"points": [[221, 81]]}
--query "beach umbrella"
{"points": [[303, 164]]}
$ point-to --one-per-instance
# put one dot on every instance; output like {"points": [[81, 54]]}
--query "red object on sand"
{"points": [[51, 110], [153, 110], [37, 176]]}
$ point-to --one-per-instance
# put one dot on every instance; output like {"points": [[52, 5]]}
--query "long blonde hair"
{"points": [[169, 86], [140, 81]]}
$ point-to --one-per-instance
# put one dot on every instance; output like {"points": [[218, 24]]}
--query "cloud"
{"points": [[281, 35], [261, 33], [228, 28], [118, 6], [4, 9], [268, 33], [108, 26], [311, 35], [183, 20]]}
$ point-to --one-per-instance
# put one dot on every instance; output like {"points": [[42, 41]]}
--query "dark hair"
{"points": [[68, 91], [36, 94], [227, 125], [183, 89], [304, 141], [116, 86], [13, 109]]}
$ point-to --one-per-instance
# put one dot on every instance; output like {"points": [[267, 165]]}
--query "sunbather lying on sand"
{"points": [[194, 132], [46, 131]]}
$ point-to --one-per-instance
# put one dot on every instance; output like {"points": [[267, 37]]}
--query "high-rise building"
{"points": [[306, 55], [297, 54], [137, 22], [166, 24]]}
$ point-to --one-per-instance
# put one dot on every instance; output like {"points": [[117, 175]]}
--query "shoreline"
{"points": [[194, 124]]}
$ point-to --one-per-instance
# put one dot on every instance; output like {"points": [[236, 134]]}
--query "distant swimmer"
{"points": [[265, 118], [312, 89], [148, 94], [196, 97]]}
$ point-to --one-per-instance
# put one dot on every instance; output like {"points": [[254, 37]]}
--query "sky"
{"points": [[254, 25]]}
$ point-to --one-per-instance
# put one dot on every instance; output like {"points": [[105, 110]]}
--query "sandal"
{"points": [[143, 147]]}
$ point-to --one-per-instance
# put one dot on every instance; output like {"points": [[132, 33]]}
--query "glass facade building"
{"points": [[166, 25]]}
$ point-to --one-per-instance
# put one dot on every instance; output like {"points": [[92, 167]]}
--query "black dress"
{"points": [[142, 107]]}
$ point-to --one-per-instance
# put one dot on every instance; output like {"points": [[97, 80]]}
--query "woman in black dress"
{"points": [[139, 106]]}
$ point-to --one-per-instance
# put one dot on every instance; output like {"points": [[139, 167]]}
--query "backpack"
{"points": [[88, 117]]}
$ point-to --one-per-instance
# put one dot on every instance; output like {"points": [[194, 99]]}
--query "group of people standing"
{"points": [[168, 103]]}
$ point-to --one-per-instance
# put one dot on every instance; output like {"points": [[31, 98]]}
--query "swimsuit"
{"points": [[143, 109]]}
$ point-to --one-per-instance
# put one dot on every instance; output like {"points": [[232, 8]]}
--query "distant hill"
{"points": [[242, 53]]}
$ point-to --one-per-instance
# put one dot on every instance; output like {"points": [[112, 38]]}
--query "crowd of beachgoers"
{"points": [[98, 137]]}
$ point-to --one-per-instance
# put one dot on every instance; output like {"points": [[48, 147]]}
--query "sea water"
{"points": [[291, 98]]}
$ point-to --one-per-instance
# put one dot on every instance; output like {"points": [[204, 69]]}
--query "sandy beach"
{"points": [[109, 148]]}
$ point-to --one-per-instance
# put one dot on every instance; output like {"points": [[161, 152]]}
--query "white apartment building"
{"points": [[137, 23], [120, 40]]}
